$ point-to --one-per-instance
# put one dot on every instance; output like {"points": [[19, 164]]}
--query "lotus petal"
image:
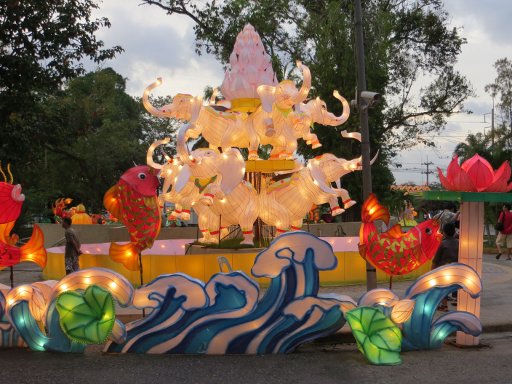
{"points": [[501, 177], [480, 172], [445, 181], [458, 178]]}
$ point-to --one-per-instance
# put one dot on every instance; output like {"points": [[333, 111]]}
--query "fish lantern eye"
{"points": [[141, 176], [428, 231]]}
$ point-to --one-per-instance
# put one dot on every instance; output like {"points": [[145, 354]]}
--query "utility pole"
{"points": [[428, 171], [492, 125], [362, 104]]}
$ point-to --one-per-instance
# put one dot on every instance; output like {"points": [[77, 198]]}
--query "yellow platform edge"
{"points": [[351, 268]]}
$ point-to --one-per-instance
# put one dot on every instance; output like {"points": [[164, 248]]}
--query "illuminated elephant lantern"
{"points": [[220, 128], [219, 180], [288, 197], [179, 189], [284, 117]]}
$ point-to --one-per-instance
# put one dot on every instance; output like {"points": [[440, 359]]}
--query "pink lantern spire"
{"points": [[250, 67]]}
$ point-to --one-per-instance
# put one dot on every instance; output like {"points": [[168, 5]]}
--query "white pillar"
{"points": [[470, 253]]}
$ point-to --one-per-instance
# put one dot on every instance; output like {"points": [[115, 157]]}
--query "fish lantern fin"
{"points": [[112, 202], [34, 250], [395, 231], [5, 231], [372, 210], [126, 254]]}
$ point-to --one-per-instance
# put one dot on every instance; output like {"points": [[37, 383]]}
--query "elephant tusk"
{"points": [[351, 135]]}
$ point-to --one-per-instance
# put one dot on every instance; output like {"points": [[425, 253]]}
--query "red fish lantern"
{"points": [[11, 201], [476, 175], [134, 202], [395, 252]]}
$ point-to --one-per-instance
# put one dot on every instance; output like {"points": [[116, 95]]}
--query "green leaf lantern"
{"points": [[378, 338], [87, 317]]}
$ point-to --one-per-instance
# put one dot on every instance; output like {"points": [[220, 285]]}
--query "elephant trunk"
{"points": [[145, 99], [151, 151], [181, 145], [306, 84], [346, 108]]}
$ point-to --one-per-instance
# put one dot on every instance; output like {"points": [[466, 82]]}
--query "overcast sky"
{"points": [[158, 45]]}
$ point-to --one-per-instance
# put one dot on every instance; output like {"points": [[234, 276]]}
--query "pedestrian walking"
{"points": [[72, 251], [504, 238]]}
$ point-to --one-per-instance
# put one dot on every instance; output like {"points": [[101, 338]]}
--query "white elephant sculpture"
{"points": [[278, 118], [212, 183], [288, 197]]}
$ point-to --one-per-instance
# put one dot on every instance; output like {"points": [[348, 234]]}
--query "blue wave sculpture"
{"points": [[8, 336], [31, 308], [420, 331], [416, 311], [226, 316]]}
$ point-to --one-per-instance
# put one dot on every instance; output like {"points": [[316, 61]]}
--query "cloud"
{"points": [[490, 18], [156, 45]]}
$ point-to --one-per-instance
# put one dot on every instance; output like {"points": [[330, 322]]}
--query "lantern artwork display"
{"points": [[476, 175], [472, 183], [133, 201], [67, 315], [227, 315], [11, 201], [393, 251], [80, 215], [255, 110]]}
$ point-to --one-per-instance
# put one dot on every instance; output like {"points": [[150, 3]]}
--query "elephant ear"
{"points": [[182, 178], [319, 177], [232, 170]]}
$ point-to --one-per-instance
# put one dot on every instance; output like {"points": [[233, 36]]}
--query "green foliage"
{"points": [[87, 317], [42, 44], [92, 131]]}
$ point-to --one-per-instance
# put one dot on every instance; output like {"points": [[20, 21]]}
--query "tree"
{"points": [[494, 146], [502, 88], [96, 134], [42, 45], [407, 43]]}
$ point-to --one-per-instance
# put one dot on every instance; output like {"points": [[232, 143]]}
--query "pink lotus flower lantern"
{"points": [[476, 175]]}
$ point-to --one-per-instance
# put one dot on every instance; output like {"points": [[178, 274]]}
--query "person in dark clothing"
{"points": [[72, 250], [448, 252]]}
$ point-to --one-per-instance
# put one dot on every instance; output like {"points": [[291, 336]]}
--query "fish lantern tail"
{"points": [[126, 254], [34, 250], [372, 211]]}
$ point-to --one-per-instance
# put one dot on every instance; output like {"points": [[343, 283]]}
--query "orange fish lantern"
{"points": [[133, 201], [32, 251], [395, 252]]}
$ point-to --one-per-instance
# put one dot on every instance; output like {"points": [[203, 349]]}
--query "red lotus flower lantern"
{"points": [[476, 175]]}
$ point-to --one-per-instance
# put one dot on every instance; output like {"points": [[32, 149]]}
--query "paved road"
{"points": [[312, 364]]}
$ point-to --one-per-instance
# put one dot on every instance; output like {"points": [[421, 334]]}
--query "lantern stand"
{"points": [[255, 172], [11, 268], [471, 237], [141, 279]]}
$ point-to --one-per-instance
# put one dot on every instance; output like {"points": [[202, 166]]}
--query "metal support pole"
{"points": [[371, 273]]}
